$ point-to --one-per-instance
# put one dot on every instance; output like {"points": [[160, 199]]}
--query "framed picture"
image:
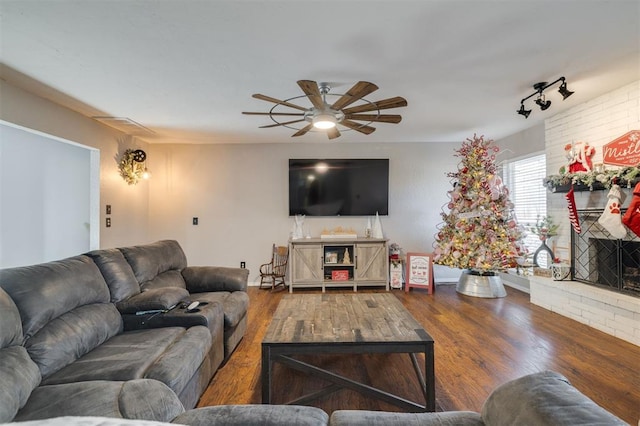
{"points": [[419, 271], [331, 257]]}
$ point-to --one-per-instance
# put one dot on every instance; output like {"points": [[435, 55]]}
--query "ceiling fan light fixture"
{"points": [[349, 110], [324, 121]]}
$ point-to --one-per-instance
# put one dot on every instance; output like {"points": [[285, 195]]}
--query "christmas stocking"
{"points": [[611, 219], [573, 213], [632, 217]]}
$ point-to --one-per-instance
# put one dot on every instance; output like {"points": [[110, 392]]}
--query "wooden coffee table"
{"points": [[362, 323]]}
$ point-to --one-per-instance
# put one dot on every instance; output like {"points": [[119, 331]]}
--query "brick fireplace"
{"points": [[603, 292]]}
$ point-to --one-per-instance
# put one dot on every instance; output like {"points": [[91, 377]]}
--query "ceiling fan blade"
{"points": [[310, 88], [284, 123], [278, 101], [333, 133], [357, 92], [367, 130], [274, 113], [302, 131], [383, 118], [373, 106]]}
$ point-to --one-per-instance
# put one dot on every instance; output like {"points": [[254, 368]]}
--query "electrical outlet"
{"points": [[243, 265], [195, 220], [108, 222], [108, 209]]}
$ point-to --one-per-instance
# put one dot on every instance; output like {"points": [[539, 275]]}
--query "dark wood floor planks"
{"points": [[479, 344]]}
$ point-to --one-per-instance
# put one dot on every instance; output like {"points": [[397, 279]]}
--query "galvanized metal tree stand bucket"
{"points": [[481, 284]]}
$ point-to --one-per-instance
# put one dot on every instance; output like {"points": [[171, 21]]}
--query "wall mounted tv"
{"points": [[338, 187]]}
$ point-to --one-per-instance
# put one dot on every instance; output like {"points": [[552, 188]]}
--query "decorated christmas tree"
{"points": [[479, 231]]}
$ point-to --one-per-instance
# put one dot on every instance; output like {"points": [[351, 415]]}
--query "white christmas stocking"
{"points": [[611, 219]]}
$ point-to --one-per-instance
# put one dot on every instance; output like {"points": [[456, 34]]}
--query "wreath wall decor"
{"points": [[133, 167]]}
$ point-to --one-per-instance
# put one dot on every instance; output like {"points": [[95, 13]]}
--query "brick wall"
{"points": [[595, 122], [613, 313]]}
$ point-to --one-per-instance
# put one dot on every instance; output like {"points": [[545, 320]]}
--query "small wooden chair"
{"points": [[275, 270]]}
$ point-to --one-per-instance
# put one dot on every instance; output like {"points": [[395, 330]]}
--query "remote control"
{"points": [[192, 306]]}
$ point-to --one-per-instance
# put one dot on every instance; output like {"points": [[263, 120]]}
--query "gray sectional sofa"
{"points": [[106, 335], [109, 329]]}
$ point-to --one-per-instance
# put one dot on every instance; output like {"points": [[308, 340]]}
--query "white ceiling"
{"points": [[187, 69]]}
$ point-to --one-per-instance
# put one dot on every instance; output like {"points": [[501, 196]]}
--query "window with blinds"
{"points": [[524, 179]]}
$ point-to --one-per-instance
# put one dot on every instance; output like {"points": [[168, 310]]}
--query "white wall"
{"points": [[129, 203], [240, 195], [521, 144]]}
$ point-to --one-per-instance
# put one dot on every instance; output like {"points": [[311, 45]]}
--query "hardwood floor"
{"points": [[479, 344]]}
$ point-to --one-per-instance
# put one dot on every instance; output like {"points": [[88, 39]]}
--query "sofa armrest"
{"points": [[545, 398], [157, 299], [387, 418], [200, 279]]}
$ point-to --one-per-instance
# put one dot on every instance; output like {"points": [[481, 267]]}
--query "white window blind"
{"points": [[524, 178]]}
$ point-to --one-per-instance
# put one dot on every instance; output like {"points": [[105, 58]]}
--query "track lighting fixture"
{"points": [[541, 101]]}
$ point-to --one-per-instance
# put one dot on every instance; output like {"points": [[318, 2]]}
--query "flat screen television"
{"points": [[338, 187]]}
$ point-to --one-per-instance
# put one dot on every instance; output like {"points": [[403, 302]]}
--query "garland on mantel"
{"points": [[623, 177]]}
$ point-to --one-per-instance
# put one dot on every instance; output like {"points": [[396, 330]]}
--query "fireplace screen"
{"points": [[600, 259]]}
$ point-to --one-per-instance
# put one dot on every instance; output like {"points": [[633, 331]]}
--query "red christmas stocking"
{"points": [[632, 217], [573, 213]]}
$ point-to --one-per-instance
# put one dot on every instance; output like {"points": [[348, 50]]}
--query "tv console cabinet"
{"points": [[337, 262]]}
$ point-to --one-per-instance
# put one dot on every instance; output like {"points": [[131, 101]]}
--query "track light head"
{"points": [[523, 111], [544, 104], [564, 91]]}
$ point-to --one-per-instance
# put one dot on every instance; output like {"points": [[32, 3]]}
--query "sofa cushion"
{"points": [[116, 272], [63, 284], [150, 260], [10, 322], [380, 418], [171, 278], [73, 334], [64, 307], [156, 299], [254, 415], [545, 398], [134, 399], [234, 305], [19, 375], [215, 278], [170, 354]]}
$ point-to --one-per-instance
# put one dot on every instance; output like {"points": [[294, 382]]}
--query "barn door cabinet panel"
{"points": [[305, 264]]}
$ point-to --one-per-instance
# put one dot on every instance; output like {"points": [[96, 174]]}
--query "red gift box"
{"points": [[340, 275]]}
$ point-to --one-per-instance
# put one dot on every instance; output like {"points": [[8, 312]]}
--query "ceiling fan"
{"points": [[323, 115]]}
